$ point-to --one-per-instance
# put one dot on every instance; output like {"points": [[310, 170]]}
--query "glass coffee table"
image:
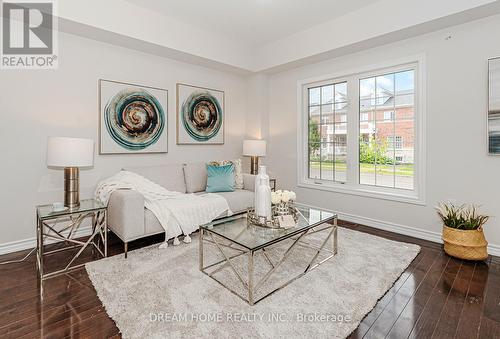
{"points": [[237, 248]]}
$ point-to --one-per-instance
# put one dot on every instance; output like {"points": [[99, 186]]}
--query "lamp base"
{"points": [[254, 165], [72, 187]]}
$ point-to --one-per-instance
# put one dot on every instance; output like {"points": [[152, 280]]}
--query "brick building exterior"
{"points": [[388, 120]]}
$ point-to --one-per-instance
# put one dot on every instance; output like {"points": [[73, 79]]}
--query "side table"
{"points": [[73, 219]]}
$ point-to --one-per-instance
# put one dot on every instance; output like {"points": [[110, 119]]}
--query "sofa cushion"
{"points": [[196, 177], [220, 178], [169, 176], [239, 200], [249, 181], [238, 172]]}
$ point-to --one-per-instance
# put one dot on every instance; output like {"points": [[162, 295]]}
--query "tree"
{"points": [[372, 152], [314, 137]]}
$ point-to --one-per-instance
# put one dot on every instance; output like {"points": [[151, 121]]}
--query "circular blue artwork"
{"points": [[201, 116], [134, 119]]}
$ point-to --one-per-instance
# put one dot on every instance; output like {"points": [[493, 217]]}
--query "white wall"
{"points": [[64, 102], [36, 104], [257, 122], [458, 166]]}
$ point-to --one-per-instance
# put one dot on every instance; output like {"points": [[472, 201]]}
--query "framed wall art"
{"points": [[494, 106], [200, 115], [133, 118]]}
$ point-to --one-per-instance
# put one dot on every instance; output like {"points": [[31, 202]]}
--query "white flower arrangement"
{"points": [[282, 196]]}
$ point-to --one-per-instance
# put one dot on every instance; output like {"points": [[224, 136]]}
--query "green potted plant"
{"points": [[463, 234]]}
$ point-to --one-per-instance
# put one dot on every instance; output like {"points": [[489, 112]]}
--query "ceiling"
{"points": [[249, 36], [256, 22]]}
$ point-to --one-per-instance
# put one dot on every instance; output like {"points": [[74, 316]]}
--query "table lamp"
{"points": [[70, 154], [254, 149]]}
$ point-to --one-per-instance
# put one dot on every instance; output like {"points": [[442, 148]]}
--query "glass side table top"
{"points": [[237, 230], [88, 205]]}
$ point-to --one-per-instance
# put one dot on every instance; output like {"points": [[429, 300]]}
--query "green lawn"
{"points": [[401, 170]]}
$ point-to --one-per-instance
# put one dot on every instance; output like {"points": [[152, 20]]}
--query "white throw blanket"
{"points": [[178, 213]]}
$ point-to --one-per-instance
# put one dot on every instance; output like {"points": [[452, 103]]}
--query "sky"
{"points": [[385, 84], [379, 86]]}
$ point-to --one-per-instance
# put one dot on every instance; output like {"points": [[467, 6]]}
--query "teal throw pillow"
{"points": [[220, 178]]}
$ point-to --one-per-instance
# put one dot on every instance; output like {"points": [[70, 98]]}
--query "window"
{"points": [[378, 165], [362, 134], [389, 115], [327, 121], [394, 142], [398, 143]]}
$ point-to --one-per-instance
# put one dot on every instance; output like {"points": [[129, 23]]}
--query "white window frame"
{"points": [[352, 186]]}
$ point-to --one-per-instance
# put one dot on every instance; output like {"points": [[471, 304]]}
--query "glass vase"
{"points": [[282, 208]]}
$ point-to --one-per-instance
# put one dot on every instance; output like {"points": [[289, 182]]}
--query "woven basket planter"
{"points": [[465, 244]]}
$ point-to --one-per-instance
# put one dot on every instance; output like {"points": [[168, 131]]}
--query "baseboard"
{"points": [[494, 250], [25, 244], [400, 229]]}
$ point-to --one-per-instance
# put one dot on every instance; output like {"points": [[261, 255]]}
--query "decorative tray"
{"points": [[254, 220]]}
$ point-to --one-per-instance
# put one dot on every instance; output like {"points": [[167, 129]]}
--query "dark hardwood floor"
{"points": [[436, 297]]}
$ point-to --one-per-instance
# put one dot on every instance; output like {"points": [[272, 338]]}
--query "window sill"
{"points": [[410, 198]]}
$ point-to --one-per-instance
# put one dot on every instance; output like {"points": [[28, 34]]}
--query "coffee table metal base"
{"points": [[328, 245]]}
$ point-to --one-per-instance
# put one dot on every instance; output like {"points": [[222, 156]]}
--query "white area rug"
{"points": [[160, 293]]}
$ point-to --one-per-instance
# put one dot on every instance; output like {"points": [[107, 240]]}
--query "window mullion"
{"points": [[394, 138], [321, 129]]}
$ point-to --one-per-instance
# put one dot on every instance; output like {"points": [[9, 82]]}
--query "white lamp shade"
{"points": [[70, 152], [254, 148]]}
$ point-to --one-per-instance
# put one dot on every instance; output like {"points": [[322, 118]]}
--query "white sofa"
{"points": [[130, 220]]}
